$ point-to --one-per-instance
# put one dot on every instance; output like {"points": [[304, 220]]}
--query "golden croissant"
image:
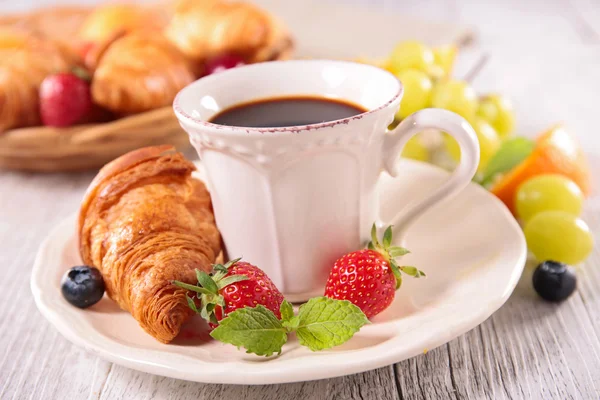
{"points": [[25, 60], [143, 223], [139, 72], [108, 20], [205, 28]]}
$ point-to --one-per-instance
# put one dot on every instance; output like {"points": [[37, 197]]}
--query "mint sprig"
{"points": [[321, 323]]}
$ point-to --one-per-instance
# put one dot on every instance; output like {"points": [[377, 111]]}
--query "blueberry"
{"points": [[82, 286], [554, 281]]}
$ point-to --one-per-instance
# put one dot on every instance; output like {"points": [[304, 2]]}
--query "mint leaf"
{"points": [[292, 323], [511, 153], [256, 329], [325, 322], [287, 310]]}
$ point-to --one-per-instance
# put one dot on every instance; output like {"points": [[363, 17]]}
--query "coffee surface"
{"points": [[286, 111]]}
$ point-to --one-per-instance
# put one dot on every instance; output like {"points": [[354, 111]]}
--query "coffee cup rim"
{"points": [[185, 117]]}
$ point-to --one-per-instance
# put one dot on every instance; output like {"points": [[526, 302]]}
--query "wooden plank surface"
{"points": [[542, 54]]}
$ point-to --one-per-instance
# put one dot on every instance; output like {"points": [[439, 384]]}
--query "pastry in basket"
{"points": [[138, 72], [25, 60], [144, 222], [108, 20], [209, 28]]}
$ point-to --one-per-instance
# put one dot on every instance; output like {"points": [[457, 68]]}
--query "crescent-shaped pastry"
{"points": [[25, 60], [206, 28], [144, 222], [139, 72], [111, 19]]}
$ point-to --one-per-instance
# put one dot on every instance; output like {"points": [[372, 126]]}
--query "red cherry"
{"points": [[223, 62]]}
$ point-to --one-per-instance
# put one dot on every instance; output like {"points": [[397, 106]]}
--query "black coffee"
{"points": [[286, 111]]}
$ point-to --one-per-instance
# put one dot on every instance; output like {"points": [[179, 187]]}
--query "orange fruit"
{"points": [[555, 152]]}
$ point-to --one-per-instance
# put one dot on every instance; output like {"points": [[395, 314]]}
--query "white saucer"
{"points": [[471, 248]]}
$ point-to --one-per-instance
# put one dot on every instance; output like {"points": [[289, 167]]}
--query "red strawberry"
{"points": [[369, 278], [232, 286], [64, 99], [223, 62]]}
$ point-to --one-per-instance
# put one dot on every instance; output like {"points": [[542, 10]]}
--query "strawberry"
{"points": [[370, 277], [65, 99], [230, 287]]}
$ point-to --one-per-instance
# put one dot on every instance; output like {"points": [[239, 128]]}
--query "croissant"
{"points": [[144, 222], [108, 20], [25, 60], [202, 29], [139, 72]]}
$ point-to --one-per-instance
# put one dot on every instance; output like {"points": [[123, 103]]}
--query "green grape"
{"points": [[548, 192], [436, 72], [444, 57], [417, 92], [489, 143], [415, 150], [456, 96], [498, 111], [411, 54], [558, 236], [452, 147]]}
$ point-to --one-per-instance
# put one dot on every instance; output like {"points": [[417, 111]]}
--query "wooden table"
{"points": [[546, 57]]}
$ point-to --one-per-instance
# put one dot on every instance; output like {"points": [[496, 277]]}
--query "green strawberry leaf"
{"points": [[81, 73], [374, 240], [396, 251], [325, 322], [206, 281], [193, 288], [221, 283], [387, 237], [287, 310], [220, 268], [191, 304], [412, 271], [396, 271], [511, 153], [231, 262], [256, 329]]}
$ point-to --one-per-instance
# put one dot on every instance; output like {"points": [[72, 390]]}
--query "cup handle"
{"points": [[431, 118]]}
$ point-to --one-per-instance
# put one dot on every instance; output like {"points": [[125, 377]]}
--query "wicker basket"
{"points": [[88, 146]]}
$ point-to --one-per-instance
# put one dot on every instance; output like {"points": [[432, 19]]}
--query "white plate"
{"points": [[471, 248]]}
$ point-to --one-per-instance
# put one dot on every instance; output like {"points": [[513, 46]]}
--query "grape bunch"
{"points": [[540, 181], [425, 73]]}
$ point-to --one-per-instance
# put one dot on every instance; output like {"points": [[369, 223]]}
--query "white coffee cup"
{"points": [[291, 200]]}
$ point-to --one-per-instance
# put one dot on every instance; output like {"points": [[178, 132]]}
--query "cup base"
{"points": [[297, 298]]}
